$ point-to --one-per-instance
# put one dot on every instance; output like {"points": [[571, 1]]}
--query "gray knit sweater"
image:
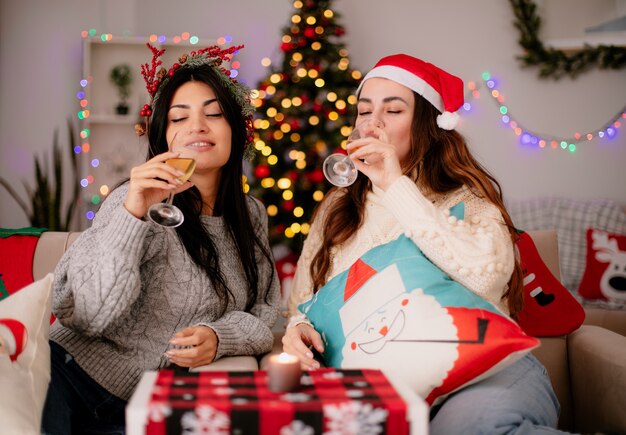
{"points": [[126, 286]]}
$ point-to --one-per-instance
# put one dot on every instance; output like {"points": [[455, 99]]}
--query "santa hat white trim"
{"points": [[408, 79]]}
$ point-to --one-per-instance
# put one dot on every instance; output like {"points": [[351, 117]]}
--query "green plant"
{"points": [[46, 197], [122, 78]]}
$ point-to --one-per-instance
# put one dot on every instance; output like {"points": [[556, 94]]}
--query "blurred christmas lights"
{"points": [[527, 137], [541, 140], [84, 113]]}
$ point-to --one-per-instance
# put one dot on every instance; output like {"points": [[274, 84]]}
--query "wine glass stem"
{"points": [[170, 199]]}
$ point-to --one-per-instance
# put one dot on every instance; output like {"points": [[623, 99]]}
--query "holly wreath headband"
{"points": [[156, 76]]}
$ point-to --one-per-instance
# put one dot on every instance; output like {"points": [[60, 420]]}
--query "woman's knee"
{"points": [[520, 394]]}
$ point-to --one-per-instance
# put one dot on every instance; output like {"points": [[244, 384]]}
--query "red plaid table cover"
{"points": [[328, 401]]}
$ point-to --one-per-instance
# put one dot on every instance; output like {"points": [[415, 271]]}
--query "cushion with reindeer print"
{"points": [[605, 267]]}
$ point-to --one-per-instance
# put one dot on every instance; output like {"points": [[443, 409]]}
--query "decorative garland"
{"points": [[555, 63], [531, 138]]}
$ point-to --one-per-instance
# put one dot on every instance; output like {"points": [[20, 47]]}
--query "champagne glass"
{"points": [[166, 213], [338, 168]]}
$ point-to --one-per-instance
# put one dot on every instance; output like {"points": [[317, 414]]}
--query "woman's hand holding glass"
{"points": [[376, 158], [340, 169], [166, 213], [152, 182], [193, 346], [297, 341]]}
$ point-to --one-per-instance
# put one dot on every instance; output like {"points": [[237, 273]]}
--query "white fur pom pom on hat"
{"points": [[440, 88], [448, 120]]}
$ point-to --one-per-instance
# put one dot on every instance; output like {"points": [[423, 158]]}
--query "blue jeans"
{"points": [[76, 403], [517, 400]]}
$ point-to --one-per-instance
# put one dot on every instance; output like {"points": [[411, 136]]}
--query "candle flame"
{"points": [[284, 357]]}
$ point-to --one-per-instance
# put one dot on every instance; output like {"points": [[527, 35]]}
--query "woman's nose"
{"points": [[198, 124]]}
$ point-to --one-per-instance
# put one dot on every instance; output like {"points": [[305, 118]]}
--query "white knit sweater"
{"points": [[476, 251]]}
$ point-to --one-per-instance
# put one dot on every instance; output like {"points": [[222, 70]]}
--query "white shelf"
{"points": [[617, 39]]}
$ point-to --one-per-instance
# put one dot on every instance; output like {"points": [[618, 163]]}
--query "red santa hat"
{"points": [[438, 87], [13, 337]]}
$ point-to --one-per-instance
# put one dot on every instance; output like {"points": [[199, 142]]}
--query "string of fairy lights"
{"points": [[527, 137], [84, 113]]}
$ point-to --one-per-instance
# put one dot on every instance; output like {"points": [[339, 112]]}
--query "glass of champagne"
{"points": [[166, 213], [338, 168]]}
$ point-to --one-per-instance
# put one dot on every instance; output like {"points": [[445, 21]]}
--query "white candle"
{"points": [[283, 372]]}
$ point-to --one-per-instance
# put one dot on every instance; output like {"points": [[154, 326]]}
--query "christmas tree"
{"points": [[305, 111]]}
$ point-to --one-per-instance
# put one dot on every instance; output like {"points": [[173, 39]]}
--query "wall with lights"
{"points": [[109, 146], [538, 137]]}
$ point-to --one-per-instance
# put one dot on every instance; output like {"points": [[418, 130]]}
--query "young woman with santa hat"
{"points": [[413, 170]]}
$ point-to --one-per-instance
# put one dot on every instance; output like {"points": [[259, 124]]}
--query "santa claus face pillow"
{"points": [[396, 311], [24, 357]]}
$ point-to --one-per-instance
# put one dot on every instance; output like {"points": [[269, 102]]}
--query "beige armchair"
{"points": [[587, 367]]}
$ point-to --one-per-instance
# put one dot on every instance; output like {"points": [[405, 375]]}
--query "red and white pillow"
{"points": [[604, 277], [25, 367], [549, 308], [396, 311]]}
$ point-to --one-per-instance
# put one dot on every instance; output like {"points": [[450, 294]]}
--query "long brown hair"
{"points": [[450, 166]]}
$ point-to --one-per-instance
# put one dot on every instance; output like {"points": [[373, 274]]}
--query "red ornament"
{"points": [[317, 107], [293, 176], [316, 176], [286, 266], [261, 171], [288, 206], [309, 32], [340, 31], [286, 46]]}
